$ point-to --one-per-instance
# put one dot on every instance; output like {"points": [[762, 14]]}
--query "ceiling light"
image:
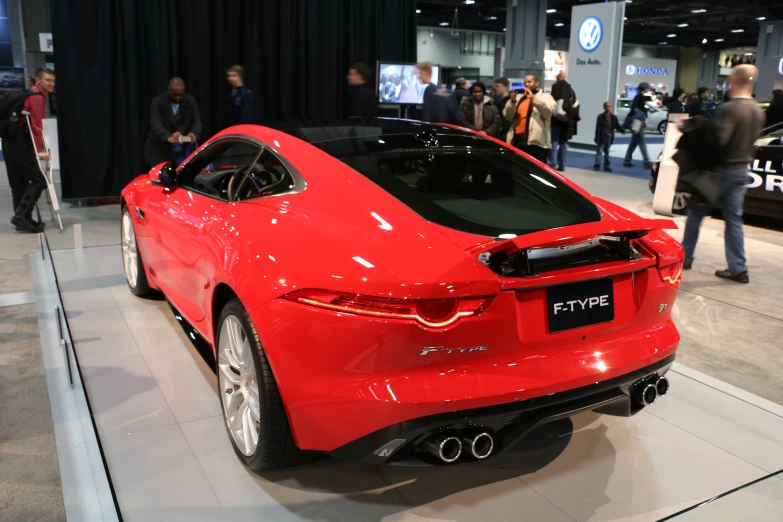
{"points": [[628, 1], [719, 39], [492, 18], [559, 24], [704, 41], [504, 29], [662, 43], [748, 54], [738, 30], [418, 11], [625, 18], [682, 25], [470, 2], [550, 11], [443, 24], [671, 35], [760, 18], [699, 11]]}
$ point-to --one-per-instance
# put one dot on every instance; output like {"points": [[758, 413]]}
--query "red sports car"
{"points": [[401, 291]]}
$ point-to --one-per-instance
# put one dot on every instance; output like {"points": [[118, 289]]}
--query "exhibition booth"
{"points": [[531, 320]]}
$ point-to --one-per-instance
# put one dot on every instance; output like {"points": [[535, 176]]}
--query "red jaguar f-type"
{"points": [[401, 291]]}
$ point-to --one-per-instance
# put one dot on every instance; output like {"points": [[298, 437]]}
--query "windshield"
{"points": [[473, 185]]}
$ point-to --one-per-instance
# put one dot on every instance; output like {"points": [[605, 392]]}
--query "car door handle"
{"points": [[140, 213]]}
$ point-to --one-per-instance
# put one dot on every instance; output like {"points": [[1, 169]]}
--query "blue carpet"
{"points": [[585, 160]]}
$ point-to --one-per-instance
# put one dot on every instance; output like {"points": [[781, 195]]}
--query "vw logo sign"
{"points": [[630, 70], [591, 32]]}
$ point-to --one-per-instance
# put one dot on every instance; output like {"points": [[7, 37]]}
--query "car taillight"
{"points": [[433, 313], [671, 273]]}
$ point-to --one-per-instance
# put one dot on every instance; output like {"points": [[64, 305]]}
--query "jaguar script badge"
{"points": [[430, 349]]}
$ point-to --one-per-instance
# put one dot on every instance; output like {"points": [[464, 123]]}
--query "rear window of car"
{"points": [[485, 189]]}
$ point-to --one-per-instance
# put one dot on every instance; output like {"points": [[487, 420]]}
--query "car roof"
{"points": [[384, 135]]}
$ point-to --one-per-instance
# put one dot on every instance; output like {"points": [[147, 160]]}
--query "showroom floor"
{"points": [[158, 416], [154, 402]]}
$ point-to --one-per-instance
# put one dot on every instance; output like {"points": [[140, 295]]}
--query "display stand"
{"points": [[668, 170], [48, 175]]}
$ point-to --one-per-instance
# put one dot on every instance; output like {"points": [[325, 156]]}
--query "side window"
{"points": [[219, 168], [267, 177], [623, 104]]}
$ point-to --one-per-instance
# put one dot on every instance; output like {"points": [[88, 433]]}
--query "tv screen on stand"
{"points": [[399, 83]]}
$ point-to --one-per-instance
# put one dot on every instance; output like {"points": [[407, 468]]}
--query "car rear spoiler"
{"points": [[624, 229]]}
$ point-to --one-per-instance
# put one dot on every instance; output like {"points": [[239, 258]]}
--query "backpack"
{"points": [[11, 103]]}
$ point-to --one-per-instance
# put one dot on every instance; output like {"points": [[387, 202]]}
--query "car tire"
{"points": [[662, 127], [274, 447], [133, 266]]}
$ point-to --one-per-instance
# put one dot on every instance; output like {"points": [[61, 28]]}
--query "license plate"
{"points": [[580, 304]]}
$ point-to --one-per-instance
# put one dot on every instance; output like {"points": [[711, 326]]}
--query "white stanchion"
{"points": [[668, 169]]}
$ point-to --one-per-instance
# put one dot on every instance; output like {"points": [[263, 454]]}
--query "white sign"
{"points": [[593, 59], [591, 32], [47, 42]]}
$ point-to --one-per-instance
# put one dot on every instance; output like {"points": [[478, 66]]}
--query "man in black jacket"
{"points": [[501, 99], [605, 126], [175, 123], [361, 98], [695, 107], [562, 129], [241, 97]]}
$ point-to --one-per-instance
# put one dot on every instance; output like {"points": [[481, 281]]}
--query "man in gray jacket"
{"points": [[736, 126], [530, 114]]}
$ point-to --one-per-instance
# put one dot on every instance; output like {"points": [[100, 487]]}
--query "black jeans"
{"points": [[24, 174]]}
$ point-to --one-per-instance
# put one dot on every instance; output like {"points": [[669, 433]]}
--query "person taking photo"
{"points": [[530, 114]]}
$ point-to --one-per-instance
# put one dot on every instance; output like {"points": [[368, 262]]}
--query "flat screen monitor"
{"points": [[399, 84]]}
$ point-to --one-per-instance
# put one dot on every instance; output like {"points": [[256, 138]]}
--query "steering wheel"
{"points": [[230, 188]]}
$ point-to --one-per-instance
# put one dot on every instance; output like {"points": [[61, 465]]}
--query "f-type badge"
{"points": [[662, 307], [430, 349]]}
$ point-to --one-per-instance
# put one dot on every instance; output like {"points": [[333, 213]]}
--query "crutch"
{"points": [[47, 173]]}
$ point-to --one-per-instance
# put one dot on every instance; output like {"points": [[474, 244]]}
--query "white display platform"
{"points": [[155, 405]]}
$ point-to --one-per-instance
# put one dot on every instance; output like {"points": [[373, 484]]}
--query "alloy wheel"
{"points": [[238, 386], [129, 250], [680, 200]]}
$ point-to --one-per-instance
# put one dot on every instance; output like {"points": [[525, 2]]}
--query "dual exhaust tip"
{"points": [[652, 391], [449, 446]]}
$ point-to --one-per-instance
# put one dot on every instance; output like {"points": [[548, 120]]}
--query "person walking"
{"points": [[638, 122], [438, 105], [460, 89], [736, 126], [22, 157], [361, 98], [477, 115], [775, 110], [605, 125], [530, 114], [241, 98], [695, 107], [563, 124], [174, 120]]}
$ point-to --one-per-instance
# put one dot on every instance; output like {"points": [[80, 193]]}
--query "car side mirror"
{"points": [[164, 175]]}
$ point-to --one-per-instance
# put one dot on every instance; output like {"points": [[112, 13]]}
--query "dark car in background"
{"points": [[765, 186], [11, 80]]}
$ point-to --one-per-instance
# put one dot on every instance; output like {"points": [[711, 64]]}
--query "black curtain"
{"points": [[114, 56]]}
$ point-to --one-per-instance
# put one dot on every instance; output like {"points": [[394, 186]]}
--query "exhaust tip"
{"points": [[649, 394], [482, 446], [662, 386], [450, 449]]}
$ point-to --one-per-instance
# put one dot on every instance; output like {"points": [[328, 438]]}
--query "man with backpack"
{"points": [[564, 121], [23, 153]]}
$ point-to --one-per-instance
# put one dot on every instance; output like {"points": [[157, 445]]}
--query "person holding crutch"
{"points": [[23, 153]]}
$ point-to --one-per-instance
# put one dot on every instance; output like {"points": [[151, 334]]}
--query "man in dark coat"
{"points": [[241, 98], [695, 107], [562, 129], [361, 97], [175, 123], [605, 126]]}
